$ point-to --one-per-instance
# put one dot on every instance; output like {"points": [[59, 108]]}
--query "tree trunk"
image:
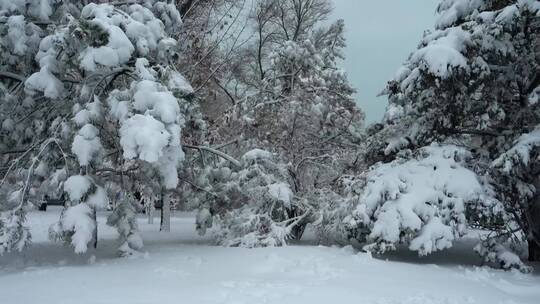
{"points": [[298, 230], [534, 251], [96, 228], [165, 212], [533, 224], [150, 212]]}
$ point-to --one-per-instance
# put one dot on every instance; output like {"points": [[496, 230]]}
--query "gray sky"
{"points": [[380, 36]]}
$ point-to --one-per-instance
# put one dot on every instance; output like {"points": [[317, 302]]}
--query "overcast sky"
{"points": [[380, 36]]}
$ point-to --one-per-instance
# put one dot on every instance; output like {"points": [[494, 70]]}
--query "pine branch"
{"points": [[14, 76], [215, 152]]}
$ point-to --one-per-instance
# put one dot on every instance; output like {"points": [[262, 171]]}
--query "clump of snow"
{"points": [[169, 14], [256, 154], [144, 29], [16, 34], [450, 11], [98, 199], [281, 192], [520, 153], [44, 80], [203, 221], [157, 100], [138, 31], [76, 186], [78, 220], [167, 165], [118, 49], [124, 218], [91, 113], [41, 9], [38, 9], [443, 52], [396, 144], [144, 137], [120, 105], [86, 144], [142, 71], [151, 121], [178, 82], [12, 6]]}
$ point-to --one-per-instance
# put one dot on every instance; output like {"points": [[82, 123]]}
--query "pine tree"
{"points": [[473, 81], [113, 101]]}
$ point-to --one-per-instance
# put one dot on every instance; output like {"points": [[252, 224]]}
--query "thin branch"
{"points": [[197, 187], [14, 76], [216, 152]]}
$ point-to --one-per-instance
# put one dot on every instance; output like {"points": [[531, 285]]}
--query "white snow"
{"points": [[16, 34], [78, 219], [168, 165], [442, 52], [44, 80], [451, 11], [178, 82], [152, 97], [142, 71], [420, 200], [281, 192], [77, 186], [86, 144], [118, 49], [519, 154], [98, 199], [181, 267], [256, 154], [144, 137]]}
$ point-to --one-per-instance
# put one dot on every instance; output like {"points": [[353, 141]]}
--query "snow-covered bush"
{"points": [[419, 200], [250, 206]]}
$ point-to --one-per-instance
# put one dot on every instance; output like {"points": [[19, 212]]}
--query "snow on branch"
{"points": [[520, 153], [225, 156]]}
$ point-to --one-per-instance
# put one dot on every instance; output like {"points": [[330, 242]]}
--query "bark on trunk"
{"points": [[165, 212], [297, 231], [150, 212], [533, 224], [95, 229]]}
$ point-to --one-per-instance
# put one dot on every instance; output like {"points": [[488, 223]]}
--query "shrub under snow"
{"points": [[252, 205], [419, 201]]}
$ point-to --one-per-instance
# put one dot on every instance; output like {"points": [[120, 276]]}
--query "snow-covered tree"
{"points": [[113, 109], [295, 101], [473, 81]]}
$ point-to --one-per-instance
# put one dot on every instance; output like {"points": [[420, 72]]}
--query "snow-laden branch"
{"points": [[14, 76], [216, 152]]}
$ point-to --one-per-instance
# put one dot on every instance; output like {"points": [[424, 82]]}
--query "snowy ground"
{"points": [[181, 267]]}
